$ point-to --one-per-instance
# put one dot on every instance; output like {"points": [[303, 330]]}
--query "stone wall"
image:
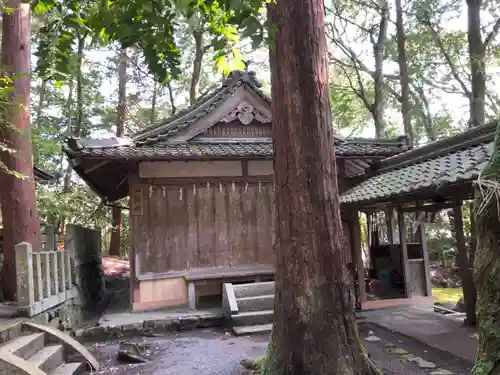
{"points": [[68, 316], [84, 246]]}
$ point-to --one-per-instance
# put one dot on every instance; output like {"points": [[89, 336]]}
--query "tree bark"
{"points": [[477, 51], [18, 195], [487, 269], [197, 65], [379, 101], [404, 78], [116, 212], [314, 330], [153, 102]]}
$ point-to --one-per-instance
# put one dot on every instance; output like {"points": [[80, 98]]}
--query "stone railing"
{"points": [[44, 279]]}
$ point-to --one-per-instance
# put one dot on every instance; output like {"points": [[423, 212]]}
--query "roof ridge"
{"points": [[402, 139], [468, 138]]}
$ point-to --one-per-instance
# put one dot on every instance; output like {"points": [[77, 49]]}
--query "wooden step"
{"points": [[48, 358], [74, 368], [256, 303], [25, 346], [252, 330], [253, 289], [252, 318]]}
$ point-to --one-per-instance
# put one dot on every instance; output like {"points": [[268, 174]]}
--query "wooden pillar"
{"points": [[389, 224], [463, 264], [425, 255], [355, 227], [404, 250]]}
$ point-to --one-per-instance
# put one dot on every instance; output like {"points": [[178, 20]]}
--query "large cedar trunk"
{"points": [[487, 269], [314, 330], [404, 77], [18, 195], [116, 214]]}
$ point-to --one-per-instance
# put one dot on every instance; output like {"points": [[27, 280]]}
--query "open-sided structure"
{"points": [[201, 193]]}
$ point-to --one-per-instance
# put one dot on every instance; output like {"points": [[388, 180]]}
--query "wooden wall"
{"points": [[202, 225]]}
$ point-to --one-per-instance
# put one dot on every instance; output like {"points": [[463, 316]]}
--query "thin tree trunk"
{"points": [[153, 102], [77, 129], [173, 108], [314, 330], [404, 78], [18, 195], [477, 50], [487, 270], [41, 99], [116, 213], [197, 64], [379, 101]]}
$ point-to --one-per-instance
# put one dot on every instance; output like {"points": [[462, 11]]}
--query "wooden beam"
{"points": [[425, 253], [404, 250], [429, 207], [96, 166]]}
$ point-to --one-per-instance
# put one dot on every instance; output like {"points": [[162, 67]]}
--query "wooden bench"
{"points": [[252, 273]]}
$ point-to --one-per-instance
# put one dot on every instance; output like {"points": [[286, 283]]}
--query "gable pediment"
{"points": [[242, 114]]}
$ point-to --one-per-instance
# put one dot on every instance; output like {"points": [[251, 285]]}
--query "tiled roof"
{"points": [[432, 166], [204, 106], [230, 149]]}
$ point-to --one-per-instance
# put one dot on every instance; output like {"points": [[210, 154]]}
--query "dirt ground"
{"points": [[217, 352]]}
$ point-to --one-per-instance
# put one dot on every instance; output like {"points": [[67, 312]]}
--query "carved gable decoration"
{"points": [[246, 113]]}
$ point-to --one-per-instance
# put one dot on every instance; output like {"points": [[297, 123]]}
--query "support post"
{"points": [[425, 255], [358, 257], [404, 250], [389, 223], [24, 275], [463, 264], [191, 296]]}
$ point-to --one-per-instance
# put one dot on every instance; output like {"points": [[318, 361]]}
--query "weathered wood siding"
{"points": [[202, 225]]}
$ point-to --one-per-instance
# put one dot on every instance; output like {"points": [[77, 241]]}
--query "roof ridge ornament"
{"points": [[247, 76], [246, 113]]}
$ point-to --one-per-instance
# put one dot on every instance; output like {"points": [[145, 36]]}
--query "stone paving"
{"points": [[217, 352], [422, 324]]}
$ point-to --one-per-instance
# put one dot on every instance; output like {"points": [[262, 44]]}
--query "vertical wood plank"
{"points": [[221, 233], [206, 233], [235, 221], [192, 232], [249, 232]]}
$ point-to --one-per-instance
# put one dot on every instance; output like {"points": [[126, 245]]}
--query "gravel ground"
{"points": [[216, 352]]}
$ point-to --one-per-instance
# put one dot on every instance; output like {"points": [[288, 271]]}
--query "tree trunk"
{"points": [[18, 195], [379, 101], [477, 50], [173, 108], [487, 269], [153, 102], [314, 330], [77, 129], [116, 213], [198, 59], [404, 78]]}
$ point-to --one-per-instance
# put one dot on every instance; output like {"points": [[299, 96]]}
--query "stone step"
{"points": [[74, 368], [10, 330], [253, 289], [256, 303], [252, 330], [25, 346], [252, 318], [48, 358]]}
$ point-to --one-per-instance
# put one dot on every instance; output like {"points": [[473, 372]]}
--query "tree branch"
{"points": [[493, 33]]}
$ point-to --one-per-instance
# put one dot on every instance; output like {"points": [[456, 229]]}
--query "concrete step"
{"points": [[252, 330], [68, 369], [49, 358], [10, 330], [252, 318], [25, 346], [253, 289], [257, 303]]}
